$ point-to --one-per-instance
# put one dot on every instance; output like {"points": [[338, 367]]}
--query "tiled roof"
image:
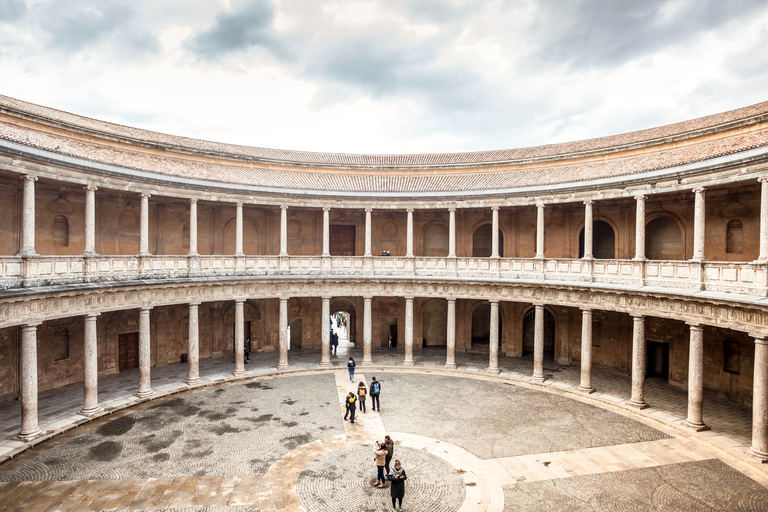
{"points": [[485, 170]]}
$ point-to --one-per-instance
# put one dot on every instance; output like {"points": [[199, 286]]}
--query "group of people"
{"points": [[383, 452], [361, 394]]}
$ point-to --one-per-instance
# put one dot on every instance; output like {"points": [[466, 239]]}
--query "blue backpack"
{"points": [[376, 387]]}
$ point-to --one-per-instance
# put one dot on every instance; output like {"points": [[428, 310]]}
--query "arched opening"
{"points": [[603, 241], [481, 325], [734, 237], [60, 233], [436, 240], [253, 329], [482, 242], [529, 329], [342, 323], [434, 322], [664, 239], [250, 237]]}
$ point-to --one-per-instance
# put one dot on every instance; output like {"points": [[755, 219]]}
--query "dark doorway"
{"points": [[388, 332], [658, 360], [603, 241], [294, 334], [246, 333], [529, 330], [481, 325], [482, 242], [128, 351], [342, 242]]}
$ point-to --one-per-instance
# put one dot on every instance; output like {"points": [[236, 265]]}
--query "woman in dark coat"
{"points": [[397, 489]]}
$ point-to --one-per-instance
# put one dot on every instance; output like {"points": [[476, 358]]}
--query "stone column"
{"points": [[368, 233], [695, 379], [325, 349], [493, 358], [367, 322], [763, 257], [640, 228], [145, 383], [540, 230], [538, 344], [408, 361], [699, 216], [91, 367], [495, 234], [759, 448], [283, 231], [588, 230], [452, 232], [638, 363], [283, 363], [28, 377], [144, 226], [586, 352], [193, 227], [90, 220], [327, 232], [239, 338], [239, 230], [409, 234], [193, 356], [450, 336], [28, 218]]}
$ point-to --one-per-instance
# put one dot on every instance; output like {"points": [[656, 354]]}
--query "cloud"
{"points": [[11, 10]]}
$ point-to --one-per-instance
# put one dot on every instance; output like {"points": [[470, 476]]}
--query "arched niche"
{"points": [[481, 325], [664, 238], [435, 240], [603, 241], [482, 241]]}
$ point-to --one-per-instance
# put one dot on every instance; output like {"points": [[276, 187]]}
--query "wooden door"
{"points": [[128, 351], [342, 242]]}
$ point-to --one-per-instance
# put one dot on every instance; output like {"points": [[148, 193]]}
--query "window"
{"points": [[732, 357], [60, 231], [61, 345], [734, 237]]}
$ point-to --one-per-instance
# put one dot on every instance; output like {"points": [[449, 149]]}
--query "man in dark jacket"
{"points": [[374, 392], [350, 404], [390, 444]]}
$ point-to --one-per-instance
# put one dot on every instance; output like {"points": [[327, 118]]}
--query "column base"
{"points": [[636, 405], [29, 435], [538, 378], [145, 394], [91, 411], [450, 366], [493, 371], [761, 456], [281, 366], [192, 382], [408, 363], [696, 427], [367, 363], [588, 390], [325, 364]]}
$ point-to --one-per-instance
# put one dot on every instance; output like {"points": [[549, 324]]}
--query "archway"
{"points": [[436, 240], [250, 237], [664, 239], [482, 242], [529, 329], [481, 325], [603, 241], [342, 322], [434, 321]]}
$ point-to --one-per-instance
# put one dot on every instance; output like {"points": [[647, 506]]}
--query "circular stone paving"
{"points": [[343, 480]]}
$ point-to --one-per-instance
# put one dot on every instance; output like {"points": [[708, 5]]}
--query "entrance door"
{"points": [[128, 351], [342, 242], [294, 333], [658, 360]]}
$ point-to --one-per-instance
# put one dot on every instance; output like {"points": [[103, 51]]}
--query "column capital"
{"points": [[589, 202], [494, 208], [29, 177], [145, 195], [637, 316], [586, 310], [538, 304], [452, 209], [763, 179], [451, 299], [541, 205], [326, 298], [29, 327], [368, 298], [283, 206], [409, 210], [699, 190], [239, 204], [145, 309], [695, 327], [407, 299], [368, 210], [91, 315], [92, 188], [282, 299], [760, 340], [326, 208], [193, 200], [194, 304], [640, 197]]}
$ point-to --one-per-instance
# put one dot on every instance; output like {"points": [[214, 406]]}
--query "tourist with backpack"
{"points": [[351, 368], [375, 390], [350, 404], [361, 392]]}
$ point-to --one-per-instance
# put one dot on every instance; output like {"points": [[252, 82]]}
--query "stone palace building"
{"points": [[644, 253]]}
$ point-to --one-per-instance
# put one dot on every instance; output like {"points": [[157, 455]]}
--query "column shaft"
{"points": [[193, 358], [240, 338], [452, 232], [763, 257], [698, 225], [239, 230], [327, 232], [493, 342], [495, 233], [90, 220], [409, 234], [284, 231], [586, 352], [145, 384], [325, 338], [638, 362], [540, 230], [368, 233], [408, 361], [695, 379], [759, 448], [283, 363], [450, 336], [28, 371], [538, 344], [640, 228], [144, 226], [28, 218], [193, 227], [588, 230], [90, 367], [367, 322]]}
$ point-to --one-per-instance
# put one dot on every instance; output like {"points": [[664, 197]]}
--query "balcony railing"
{"points": [[723, 277]]}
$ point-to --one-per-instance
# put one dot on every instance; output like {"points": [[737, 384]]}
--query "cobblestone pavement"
{"points": [[689, 486], [342, 481]]}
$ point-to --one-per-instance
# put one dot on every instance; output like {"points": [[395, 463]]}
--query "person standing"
{"points": [[351, 368], [380, 451], [361, 392], [397, 490], [335, 342], [349, 402], [390, 451], [375, 390]]}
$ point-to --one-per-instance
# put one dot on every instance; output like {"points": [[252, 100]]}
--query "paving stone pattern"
{"points": [[341, 481], [235, 508], [689, 486], [240, 429], [493, 419]]}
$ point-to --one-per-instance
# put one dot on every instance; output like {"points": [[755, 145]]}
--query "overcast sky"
{"points": [[386, 76]]}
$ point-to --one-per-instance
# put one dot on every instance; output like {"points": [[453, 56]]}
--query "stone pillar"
{"points": [[699, 216], [325, 349], [90, 220], [367, 322], [193, 357], [409, 234], [193, 227], [588, 230], [327, 232], [763, 257], [540, 230], [538, 344], [28, 218], [586, 351], [452, 232], [28, 377], [695, 379], [239, 338], [493, 358], [91, 367], [495, 234], [239, 230], [284, 231], [638, 363], [144, 226], [450, 336], [145, 383], [759, 448], [640, 228], [283, 363], [408, 361], [368, 233]]}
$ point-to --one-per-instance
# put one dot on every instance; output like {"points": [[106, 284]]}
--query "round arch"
{"points": [[665, 237], [251, 237], [482, 240], [434, 239], [604, 239], [480, 324], [527, 320], [346, 305]]}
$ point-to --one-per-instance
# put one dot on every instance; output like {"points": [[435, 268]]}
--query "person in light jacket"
{"points": [[380, 451]]}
